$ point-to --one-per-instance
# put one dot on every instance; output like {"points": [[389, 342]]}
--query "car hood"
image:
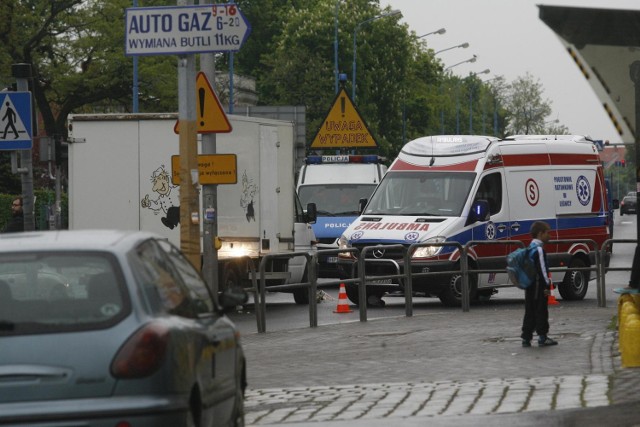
{"points": [[396, 229]]}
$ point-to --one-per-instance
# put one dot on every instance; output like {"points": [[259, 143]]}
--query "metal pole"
{"points": [[135, 75], [22, 73], [471, 108], [335, 46], [353, 73], [634, 73]]}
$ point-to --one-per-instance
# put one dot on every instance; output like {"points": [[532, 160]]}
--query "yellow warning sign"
{"points": [[210, 115], [212, 169], [343, 127]]}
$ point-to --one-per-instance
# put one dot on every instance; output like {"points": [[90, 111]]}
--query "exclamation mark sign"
{"points": [[342, 104], [201, 99]]}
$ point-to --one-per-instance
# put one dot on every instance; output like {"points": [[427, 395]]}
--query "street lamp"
{"points": [[355, 31], [473, 59], [487, 71], [463, 45], [335, 46], [440, 31]]}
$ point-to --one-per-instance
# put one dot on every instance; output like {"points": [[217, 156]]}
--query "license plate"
{"points": [[332, 259]]}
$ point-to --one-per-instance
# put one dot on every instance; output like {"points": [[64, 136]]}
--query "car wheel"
{"points": [[575, 283], [301, 295], [451, 295], [230, 279], [237, 419], [375, 294], [193, 414]]}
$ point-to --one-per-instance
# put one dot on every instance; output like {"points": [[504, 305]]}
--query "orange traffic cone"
{"points": [[551, 299], [343, 306]]}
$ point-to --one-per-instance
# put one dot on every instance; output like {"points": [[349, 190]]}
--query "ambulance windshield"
{"points": [[336, 199], [421, 193]]}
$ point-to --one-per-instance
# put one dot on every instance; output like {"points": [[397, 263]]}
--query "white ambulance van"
{"points": [[336, 184], [463, 188]]}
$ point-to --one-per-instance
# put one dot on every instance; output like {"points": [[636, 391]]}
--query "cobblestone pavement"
{"points": [[435, 365]]}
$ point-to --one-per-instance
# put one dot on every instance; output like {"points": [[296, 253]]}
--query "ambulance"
{"points": [[336, 183], [458, 188]]}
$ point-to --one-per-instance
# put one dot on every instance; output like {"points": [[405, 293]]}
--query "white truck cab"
{"points": [[462, 188], [336, 184]]}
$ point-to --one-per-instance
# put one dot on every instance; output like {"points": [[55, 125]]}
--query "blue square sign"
{"points": [[15, 121]]}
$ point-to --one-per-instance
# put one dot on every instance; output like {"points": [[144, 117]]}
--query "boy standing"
{"points": [[536, 313]]}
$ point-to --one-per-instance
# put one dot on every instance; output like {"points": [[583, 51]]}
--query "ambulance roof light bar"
{"points": [[344, 158]]}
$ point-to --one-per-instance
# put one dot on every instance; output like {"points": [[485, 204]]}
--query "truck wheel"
{"points": [[451, 295], [575, 283], [301, 295], [230, 279], [352, 294]]}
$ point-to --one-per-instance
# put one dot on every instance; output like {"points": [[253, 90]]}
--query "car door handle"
{"points": [[215, 341], [515, 226]]}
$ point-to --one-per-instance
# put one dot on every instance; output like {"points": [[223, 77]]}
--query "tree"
{"points": [[527, 110]]}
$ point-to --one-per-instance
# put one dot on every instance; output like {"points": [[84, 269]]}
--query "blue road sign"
{"points": [[15, 121]]}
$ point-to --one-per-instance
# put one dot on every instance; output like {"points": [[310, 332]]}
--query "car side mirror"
{"points": [[312, 213], [479, 211], [362, 204], [615, 203]]}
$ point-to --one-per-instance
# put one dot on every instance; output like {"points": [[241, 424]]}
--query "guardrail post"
{"points": [[362, 288], [408, 284], [263, 304], [312, 276], [464, 264]]}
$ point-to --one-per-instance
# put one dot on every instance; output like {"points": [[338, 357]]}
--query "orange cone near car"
{"points": [[343, 305]]}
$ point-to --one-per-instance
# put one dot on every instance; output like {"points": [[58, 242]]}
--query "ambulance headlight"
{"points": [[343, 243], [429, 251]]}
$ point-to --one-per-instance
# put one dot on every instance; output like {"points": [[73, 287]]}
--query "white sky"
{"points": [[511, 40]]}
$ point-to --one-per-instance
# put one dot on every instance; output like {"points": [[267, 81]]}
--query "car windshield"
{"points": [[52, 292], [334, 199], [421, 193]]}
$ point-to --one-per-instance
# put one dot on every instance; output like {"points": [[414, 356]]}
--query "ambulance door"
{"points": [[492, 188]]}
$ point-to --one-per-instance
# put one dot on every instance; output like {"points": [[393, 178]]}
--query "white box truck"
{"points": [[460, 188], [337, 184], [121, 177]]}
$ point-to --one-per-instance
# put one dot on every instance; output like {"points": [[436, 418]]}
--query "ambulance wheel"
{"points": [[230, 279], [352, 294], [301, 295], [575, 283], [451, 295]]}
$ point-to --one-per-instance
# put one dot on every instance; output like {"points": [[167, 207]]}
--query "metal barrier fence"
{"points": [[259, 287]]}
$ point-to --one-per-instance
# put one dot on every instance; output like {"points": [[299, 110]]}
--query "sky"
{"points": [[510, 40]]}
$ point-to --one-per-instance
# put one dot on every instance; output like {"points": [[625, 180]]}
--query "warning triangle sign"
{"points": [[343, 127], [210, 115]]}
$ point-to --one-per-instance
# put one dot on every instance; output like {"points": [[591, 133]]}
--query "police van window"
{"points": [[490, 189]]}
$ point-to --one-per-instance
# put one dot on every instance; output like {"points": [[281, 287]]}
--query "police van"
{"points": [[462, 188], [336, 184]]}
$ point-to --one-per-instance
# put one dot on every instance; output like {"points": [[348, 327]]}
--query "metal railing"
{"points": [[406, 277]]}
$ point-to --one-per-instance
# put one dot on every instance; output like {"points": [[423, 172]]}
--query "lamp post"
{"points": [[355, 31], [440, 31], [335, 46], [463, 45], [474, 58], [487, 71]]}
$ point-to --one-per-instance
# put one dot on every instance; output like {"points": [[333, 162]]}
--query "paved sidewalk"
{"points": [[441, 366]]}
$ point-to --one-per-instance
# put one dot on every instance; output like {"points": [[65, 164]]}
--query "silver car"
{"points": [[106, 328]]}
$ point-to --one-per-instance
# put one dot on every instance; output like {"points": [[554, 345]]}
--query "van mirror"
{"points": [[615, 203], [363, 204], [479, 211], [312, 213]]}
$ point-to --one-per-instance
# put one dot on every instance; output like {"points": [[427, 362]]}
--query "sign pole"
{"points": [[189, 203], [209, 192], [22, 73]]}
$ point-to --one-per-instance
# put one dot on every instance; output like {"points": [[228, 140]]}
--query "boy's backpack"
{"points": [[521, 267]]}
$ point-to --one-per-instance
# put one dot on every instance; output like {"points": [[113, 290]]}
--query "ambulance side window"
{"points": [[490, 189]]}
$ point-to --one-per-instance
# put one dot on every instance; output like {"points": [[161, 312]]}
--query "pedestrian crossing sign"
{"points": [[15, 121]]}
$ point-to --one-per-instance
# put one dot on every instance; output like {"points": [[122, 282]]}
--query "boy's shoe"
{"points": [[547, 342], [526, 343]]}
